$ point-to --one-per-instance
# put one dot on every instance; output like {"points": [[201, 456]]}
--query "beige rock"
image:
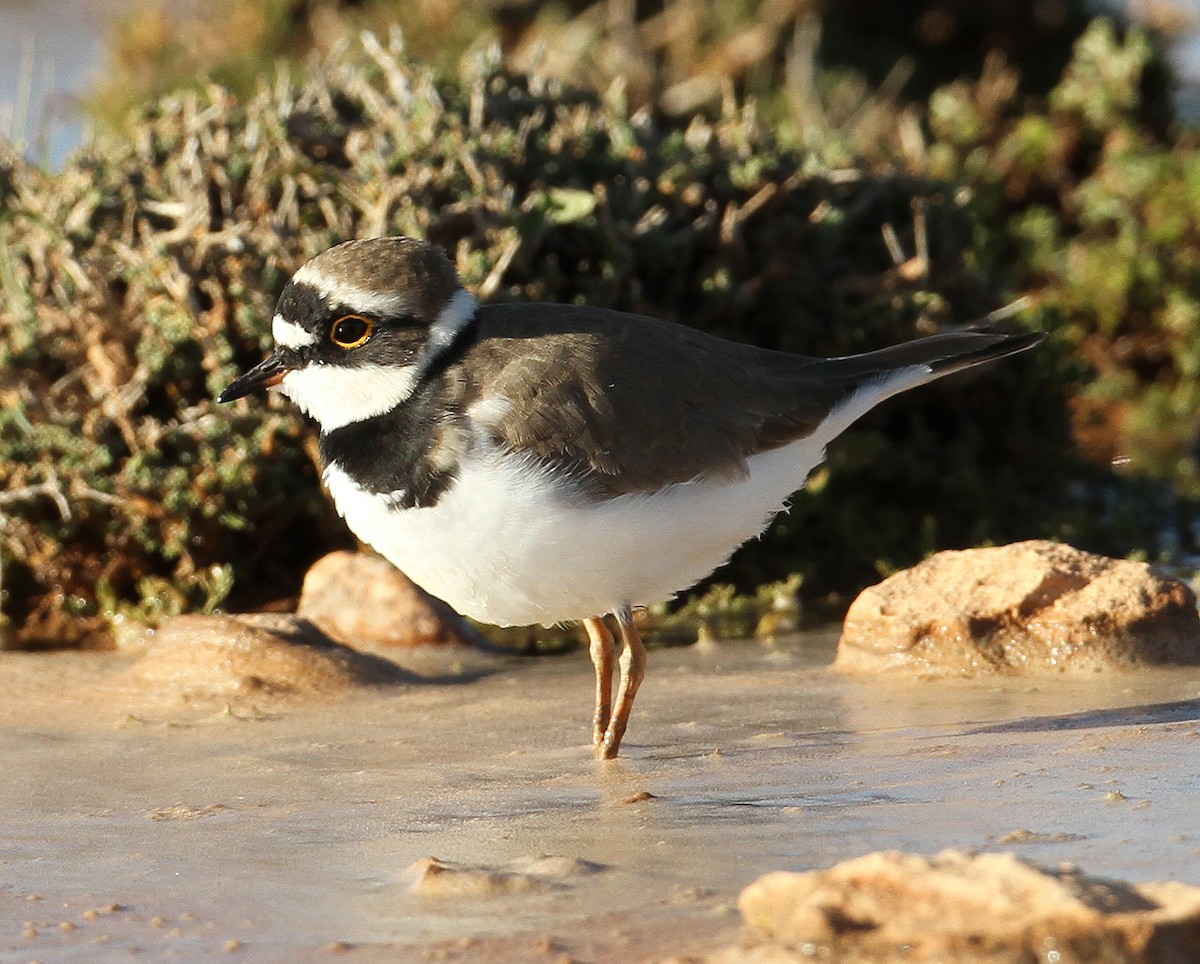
{"points": [[364, 601], [959, 908], [1028, 607], [196, 657]]}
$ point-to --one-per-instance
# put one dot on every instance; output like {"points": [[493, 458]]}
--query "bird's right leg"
{"points": [[602, 649], [633, 668]]}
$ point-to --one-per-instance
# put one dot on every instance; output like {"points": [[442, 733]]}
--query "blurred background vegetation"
{"points": [[823, 178]]}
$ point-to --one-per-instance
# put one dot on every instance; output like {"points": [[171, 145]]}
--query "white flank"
{"points": [[288, 334], [511, 544], [335, 395], [395, 302]]}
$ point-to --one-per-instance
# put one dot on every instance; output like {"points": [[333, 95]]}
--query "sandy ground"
{"points": [[137, 825]]}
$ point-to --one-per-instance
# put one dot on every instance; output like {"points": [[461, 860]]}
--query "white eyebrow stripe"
{"points": [[352, 297], [288, 334]]}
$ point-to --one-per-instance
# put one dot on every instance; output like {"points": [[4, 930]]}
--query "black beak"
{"points": [[268, 372]]}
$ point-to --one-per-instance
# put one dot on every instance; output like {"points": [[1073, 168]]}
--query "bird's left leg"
{"points": [[602, 648], [633, 668]]}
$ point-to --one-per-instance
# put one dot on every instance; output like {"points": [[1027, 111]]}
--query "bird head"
{"points": [[358, 327]]}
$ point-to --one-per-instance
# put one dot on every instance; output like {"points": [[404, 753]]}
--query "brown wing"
{"points": [[633, 403]]}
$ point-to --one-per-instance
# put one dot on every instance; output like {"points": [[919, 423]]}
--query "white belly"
{"points": [[505, 546]]}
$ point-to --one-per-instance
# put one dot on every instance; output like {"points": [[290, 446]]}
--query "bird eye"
{"points": [[350, 331]]}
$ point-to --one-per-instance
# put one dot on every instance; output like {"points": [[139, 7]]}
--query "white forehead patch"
{"points": [[288, 334], [337, 396], [352, 297]]}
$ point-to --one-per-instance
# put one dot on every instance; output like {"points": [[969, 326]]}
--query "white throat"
{"points": [[335, 395]]}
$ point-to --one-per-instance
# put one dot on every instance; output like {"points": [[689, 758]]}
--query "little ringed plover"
{"points": [[541, 463]]}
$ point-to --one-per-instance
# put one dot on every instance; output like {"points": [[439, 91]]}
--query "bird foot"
{"points": [[599, 730], [606, 748]]}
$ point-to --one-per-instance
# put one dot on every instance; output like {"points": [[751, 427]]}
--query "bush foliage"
{"points": [[141, 279]]}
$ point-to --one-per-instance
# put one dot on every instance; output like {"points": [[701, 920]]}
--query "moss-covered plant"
{"points": [[140, 280], [1097, 208]]}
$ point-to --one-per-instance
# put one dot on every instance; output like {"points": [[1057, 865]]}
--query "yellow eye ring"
{"points": [[350, 331]]}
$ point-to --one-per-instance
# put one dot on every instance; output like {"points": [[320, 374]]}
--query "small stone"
{"points": [[362, 600], [1025, 608], [431, 877], [1023, 835], [186, 811]]}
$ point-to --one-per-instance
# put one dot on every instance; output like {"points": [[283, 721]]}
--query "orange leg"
{"points": [[602, 647], [633, 668]]}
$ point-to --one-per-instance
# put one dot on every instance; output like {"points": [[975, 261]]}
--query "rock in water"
{"points": [[261, 655], [431, 877], [1028, 607]]}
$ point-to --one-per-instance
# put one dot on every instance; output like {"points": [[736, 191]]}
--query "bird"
{"points": [[546, 463]]}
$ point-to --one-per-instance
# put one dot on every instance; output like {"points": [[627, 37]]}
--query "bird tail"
{"points": [[870, 378], [940, 354]]}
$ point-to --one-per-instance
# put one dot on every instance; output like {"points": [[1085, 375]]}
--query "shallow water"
{"points": [[287, 827]]}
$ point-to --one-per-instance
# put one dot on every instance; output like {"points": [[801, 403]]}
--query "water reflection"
{"points": [[51, 53]]}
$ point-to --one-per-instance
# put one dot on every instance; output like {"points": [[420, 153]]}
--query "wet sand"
{"points": [[138, 822]]}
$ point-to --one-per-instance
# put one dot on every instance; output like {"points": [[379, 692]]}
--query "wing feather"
{"points": [[631, 404]]}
